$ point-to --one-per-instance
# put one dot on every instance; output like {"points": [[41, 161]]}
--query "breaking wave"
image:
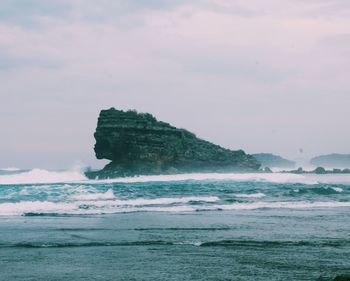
{"points": [[319, 190], [100, 206], [95, 196], [253, 195], [40, 176], [45, 208], [255, 177]]}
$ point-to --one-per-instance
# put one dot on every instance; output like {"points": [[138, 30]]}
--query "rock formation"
{"points": [[273, 161], [332, 160], [138, 144]]}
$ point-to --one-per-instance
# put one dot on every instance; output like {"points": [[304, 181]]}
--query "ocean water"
{"points": [[61, 226]]}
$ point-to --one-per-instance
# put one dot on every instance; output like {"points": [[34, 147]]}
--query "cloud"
{"points": [[27, 13], [330, 9], [34, 14], [232, 71]]}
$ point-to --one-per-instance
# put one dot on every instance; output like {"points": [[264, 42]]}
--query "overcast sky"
{"points": [[263, 76]]}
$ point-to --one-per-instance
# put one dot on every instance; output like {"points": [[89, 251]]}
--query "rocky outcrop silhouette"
{"points": [[273, 161], [332, 160], [139, 144]]}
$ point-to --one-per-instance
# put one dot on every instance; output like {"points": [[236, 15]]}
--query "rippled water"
{"points": [[61, 226]]}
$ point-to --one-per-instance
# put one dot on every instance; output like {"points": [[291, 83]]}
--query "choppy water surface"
{"points": [[60, 226]]}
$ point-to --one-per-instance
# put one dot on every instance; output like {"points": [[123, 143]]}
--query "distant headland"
{"points": [[332, 160], [139, 144], [273, 161]]}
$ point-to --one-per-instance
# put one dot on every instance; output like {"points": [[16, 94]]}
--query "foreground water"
{"points": [[60, 226]]}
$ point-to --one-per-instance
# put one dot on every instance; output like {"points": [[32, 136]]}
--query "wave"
{"points": [[183, 228], [280, 205], [319, 190], [283, 178], [156, 201], [39, 176], [269, 244], [94, 196], [253, 195], [42, 176], [37, 208], [87, 244], [220, 243], [143, 202], [106, 199], [19, 208], [257, 177]]}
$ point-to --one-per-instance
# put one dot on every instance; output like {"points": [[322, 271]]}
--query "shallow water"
{"points": [[184, 227]]}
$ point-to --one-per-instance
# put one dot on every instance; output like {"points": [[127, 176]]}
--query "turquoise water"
{"points": [[60, 226]]}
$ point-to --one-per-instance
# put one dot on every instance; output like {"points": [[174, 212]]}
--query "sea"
{"points": [[58, 225]]}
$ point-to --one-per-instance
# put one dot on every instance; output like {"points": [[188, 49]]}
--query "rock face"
{"points": [[273, 161], [332, 160], [138, 144]]}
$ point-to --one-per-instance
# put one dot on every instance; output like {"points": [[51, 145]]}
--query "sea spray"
{"points": [[42, 176], [76, 175]]}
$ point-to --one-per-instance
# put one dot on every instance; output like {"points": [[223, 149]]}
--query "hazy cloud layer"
{"points": [[265, 76]]}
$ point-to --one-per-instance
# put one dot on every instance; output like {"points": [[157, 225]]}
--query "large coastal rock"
{"points": [[332, 160], [138, 144], [273, 161]]}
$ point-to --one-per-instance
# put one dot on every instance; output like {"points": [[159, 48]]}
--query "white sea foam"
{"points": [[287, 178], [257, 177], [338, 189], [22, 207], [281, 205], [94, 196], [38, 176], [156, 201], [331, 178], [43, 176], [253, 195], [99, 207]]}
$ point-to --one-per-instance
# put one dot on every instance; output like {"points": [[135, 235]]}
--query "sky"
{"points": [[262, 76]]}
